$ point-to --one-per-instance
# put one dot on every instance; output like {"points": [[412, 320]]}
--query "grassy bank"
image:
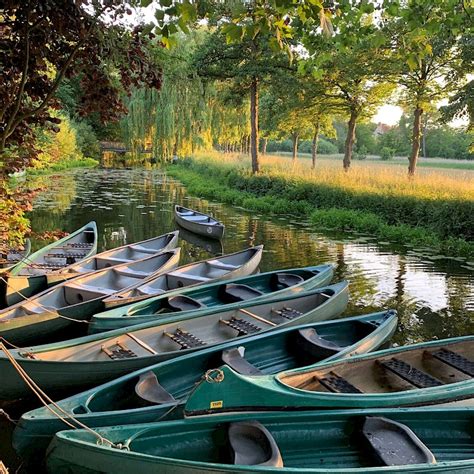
{"points": [[431, 212], [64, 165]]}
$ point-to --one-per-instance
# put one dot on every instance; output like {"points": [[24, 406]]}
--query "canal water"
{"points": [[433, 294]]}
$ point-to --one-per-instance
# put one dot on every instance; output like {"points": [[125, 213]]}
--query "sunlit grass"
{"points": [[364, 177]]}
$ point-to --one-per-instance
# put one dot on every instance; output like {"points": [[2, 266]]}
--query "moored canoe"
{"points": [[199, 223], [392, 441], [420, 374], [100, 357], [116, 256], [29, 277], [50, 312], [233, 265], [225, 295], [133, 398]]}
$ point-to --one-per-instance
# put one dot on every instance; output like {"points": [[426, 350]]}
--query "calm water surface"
{"points": [[434, 295]]}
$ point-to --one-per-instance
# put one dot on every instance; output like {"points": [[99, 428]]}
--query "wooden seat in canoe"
{"points": [[315, 345], [128, 272], [394, 444], [408, 373], [242, 326], [233, 292], [235, 358], [454, 360], [284, 280], [149, 389], [253, 445], [140, 248], [185, 339], [187, 277]]}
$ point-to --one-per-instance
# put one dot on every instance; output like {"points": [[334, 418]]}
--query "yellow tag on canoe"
{"points": [[217, 404]]}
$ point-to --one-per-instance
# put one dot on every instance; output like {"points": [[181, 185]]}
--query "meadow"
{"points": [[434, 209]]}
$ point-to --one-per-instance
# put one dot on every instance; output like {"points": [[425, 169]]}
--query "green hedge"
{"points": [[448, 218], [437, 224]]}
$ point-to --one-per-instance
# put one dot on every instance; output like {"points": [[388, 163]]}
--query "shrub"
{"points": [[387, 153]]}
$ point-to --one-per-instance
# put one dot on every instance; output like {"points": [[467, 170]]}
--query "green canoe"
{"points": [[100, 357], [199, 223], [30, 276], [225, 295], [419, 374], [415, 441], [134, 398], [229, 266], [46, 315]]}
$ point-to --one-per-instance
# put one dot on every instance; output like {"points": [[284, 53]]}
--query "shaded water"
{"points": [[433, 294]]}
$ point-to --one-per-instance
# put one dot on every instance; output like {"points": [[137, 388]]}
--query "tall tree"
{"points": [[426, 44], [245, 66], [353, 65]]}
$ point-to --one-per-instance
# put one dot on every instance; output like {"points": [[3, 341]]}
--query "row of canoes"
{"points": [[186, 375]]}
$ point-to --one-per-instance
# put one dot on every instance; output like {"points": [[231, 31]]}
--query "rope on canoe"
{"points": [[30, 300], [64, 416]]}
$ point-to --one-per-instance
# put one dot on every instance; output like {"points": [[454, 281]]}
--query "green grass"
{"points": [[64, 165], [443, 225]]}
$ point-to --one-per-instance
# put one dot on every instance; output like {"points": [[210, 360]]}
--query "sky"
{"points": [[388, 114]]}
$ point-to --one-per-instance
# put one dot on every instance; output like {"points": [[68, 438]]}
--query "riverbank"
{"points": [[434, 211], [63, 165]]}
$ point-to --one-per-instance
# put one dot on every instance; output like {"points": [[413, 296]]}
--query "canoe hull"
{"points": [[36, 428], [114, 319], [210, 231], [313, 443], [270, 393], [20, 286], [51, 375]]}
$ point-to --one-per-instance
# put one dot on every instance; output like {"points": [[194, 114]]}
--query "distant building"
{"points": [[382, 128]]}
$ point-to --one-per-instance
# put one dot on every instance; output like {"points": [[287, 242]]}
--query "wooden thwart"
{"points": [[258, 318]]}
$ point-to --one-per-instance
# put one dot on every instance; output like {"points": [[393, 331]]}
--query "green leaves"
{"points": [[233, 33]]}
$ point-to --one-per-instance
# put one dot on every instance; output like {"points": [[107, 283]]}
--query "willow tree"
{"points": [[175, 120]]}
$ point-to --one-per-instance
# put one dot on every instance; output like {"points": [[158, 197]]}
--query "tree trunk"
{"points": [[295, 137], [314, 145], [424, 138], [254, 125], [351, 127], [415, 141], [264, 146]]}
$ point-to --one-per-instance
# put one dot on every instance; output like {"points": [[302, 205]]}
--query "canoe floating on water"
{"points": [[224, 295], [229, 266], [419, 374], [352, 442], [50, 312], [119, 255], [199, 223], [14, 257], [101, 357], [154, 392], [30, 276]]}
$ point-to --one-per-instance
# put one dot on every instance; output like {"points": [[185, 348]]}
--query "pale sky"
{"points": [[389, 114]]}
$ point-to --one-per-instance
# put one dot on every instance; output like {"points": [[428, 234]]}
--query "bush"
{"points": [[361, 153], [387, 153]]}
